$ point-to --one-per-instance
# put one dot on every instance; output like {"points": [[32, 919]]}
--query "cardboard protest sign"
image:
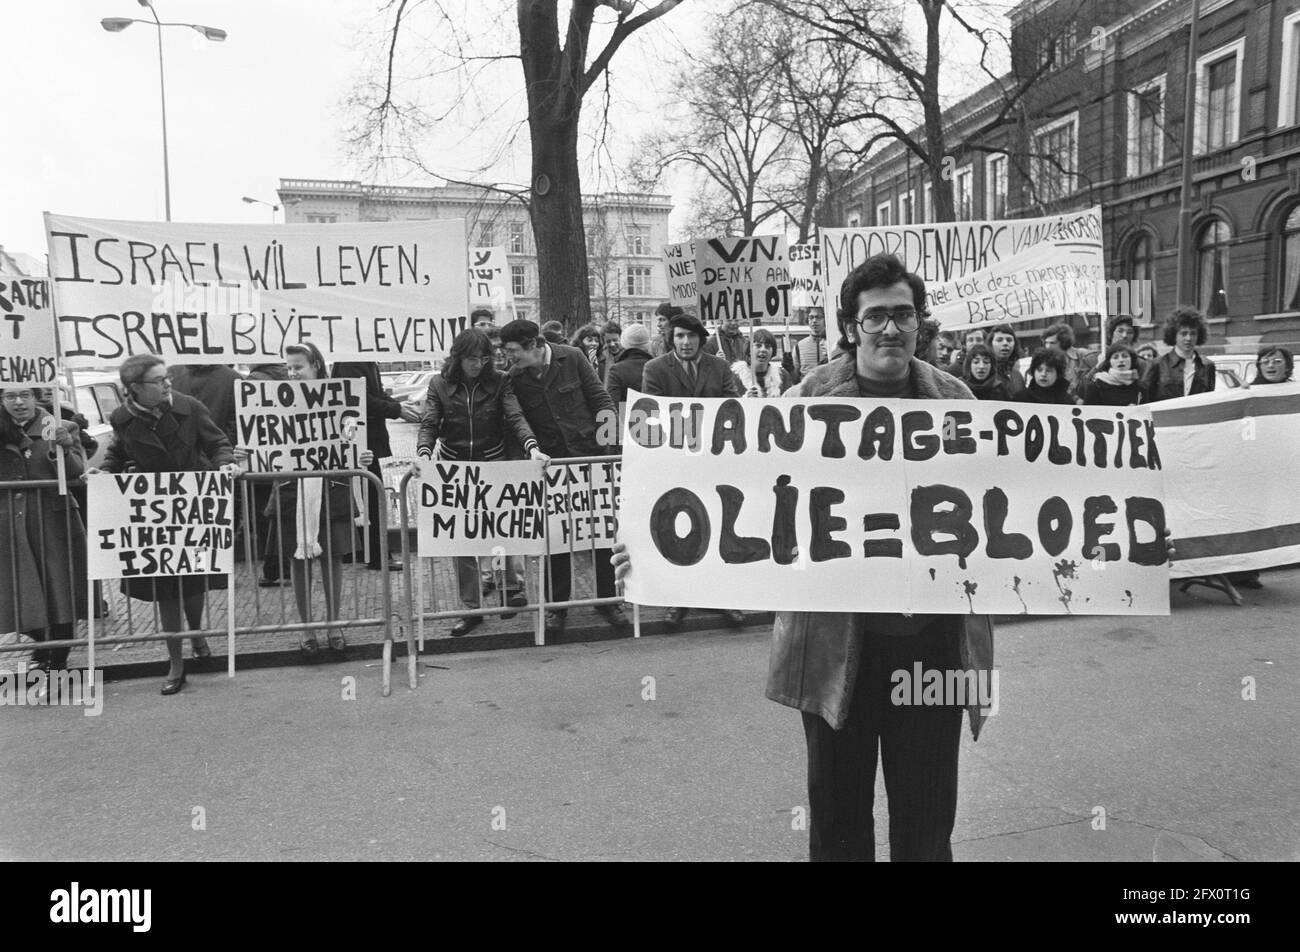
{"points": [[28, 355], [159, 524], [481, 509], [923, 506], [743, 278], [1231, 458], [489, 278], [806, 275], [679, 263], [987, 272], [301, 426], [582, 505], [228, 294]]}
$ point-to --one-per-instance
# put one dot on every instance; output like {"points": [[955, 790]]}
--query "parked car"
{"points": [[1242, 365], [416, 384], [95, 397]]}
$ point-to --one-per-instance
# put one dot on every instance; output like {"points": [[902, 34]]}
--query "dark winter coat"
{"points": [[566, 407], [184, 439], [42, 539], [472, 419], [380, 408], [815, 655], [1163, 378], [626, 373]]}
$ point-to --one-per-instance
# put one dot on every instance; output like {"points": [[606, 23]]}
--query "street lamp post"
{"points": [[117, 25], [274, 208]]}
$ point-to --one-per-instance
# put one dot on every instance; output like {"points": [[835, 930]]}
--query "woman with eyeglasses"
{"points": [[42, 538], [1274, 364], [158, 431], [312, 519], [470, 410]]}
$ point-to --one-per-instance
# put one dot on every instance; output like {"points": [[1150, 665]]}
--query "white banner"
{"points": [[489, 278], [744, 278], [301, 426], [806, 289], [140, 525], [481, 509], [679, 264], [582, 505], [987, 272], [893, 506], [28, 355], [227, 294], [1231, 459]]}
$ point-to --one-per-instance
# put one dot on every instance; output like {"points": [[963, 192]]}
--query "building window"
{"points": [[995, 187], [486, 235], [927, 202], [1146, 125], [638, 281], [1142, 278], [322, 219], [906, 209], [1060, 48], [516, 246], [1212, 269], [1218, 79], [518, 282], [1288, 113], [883, 213], [854, 219], [638, 240], [962, 197], [591, 241], [1056, 151], [1289, 298]]}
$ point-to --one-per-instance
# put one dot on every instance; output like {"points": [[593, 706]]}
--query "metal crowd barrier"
{"points": [[124, 618], [422, 602]]}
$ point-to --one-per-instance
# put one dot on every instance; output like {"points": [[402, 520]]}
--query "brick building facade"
{"points": [[1105, 126]]}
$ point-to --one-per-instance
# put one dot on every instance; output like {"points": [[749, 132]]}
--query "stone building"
{"points": [[1105, 126], [625, 235]]}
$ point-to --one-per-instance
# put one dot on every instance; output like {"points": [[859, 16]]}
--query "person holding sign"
{"points": [[727, 342], [42, 537], [811, 351], [468, 410], [687, 371], [157, 431], [835, 666], [310, 510], [1006, 351], [566, 407]]}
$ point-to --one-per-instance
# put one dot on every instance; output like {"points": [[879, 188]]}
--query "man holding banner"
{"points": [[687, 371]]}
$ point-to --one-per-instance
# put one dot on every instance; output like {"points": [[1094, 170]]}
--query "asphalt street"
{"points": [[560, 753]]}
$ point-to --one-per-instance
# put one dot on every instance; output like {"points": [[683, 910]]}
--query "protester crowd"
{"points": [[515, 391]]}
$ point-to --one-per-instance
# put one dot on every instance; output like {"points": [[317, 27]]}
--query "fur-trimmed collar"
{"points": [[771, 382], [839, 378]]}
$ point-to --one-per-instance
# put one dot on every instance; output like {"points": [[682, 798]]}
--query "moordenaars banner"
{"points": [[979, 273]]}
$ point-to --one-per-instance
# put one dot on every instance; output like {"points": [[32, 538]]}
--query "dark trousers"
{"points": [[373, 502], [918, 747], [560, 576]]}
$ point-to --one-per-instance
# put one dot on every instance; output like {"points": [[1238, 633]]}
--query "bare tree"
{"points": [[560, 68], [728, 127], [911, 112], [761, 114]]}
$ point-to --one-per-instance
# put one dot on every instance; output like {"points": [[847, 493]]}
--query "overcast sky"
{"points": [[81, 105]]}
